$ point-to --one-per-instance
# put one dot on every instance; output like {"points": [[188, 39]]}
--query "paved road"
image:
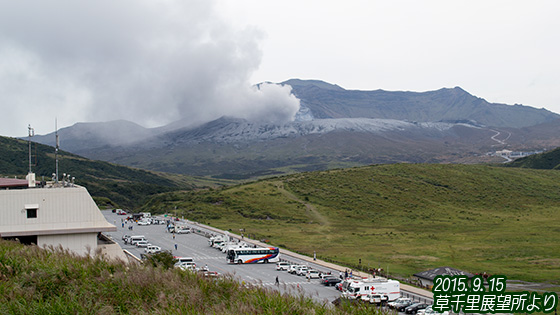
{"points": [[197, 247]]}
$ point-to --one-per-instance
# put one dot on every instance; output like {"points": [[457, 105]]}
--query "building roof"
{"points": [[431, 274], [60, 210], [13, 182]]}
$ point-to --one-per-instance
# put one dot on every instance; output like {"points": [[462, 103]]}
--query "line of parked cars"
{"points": [[141, 241], [187, 263], [309, 273]]}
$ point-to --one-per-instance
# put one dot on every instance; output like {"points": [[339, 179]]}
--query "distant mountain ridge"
{"points": [[333, 128], [331, 101]]}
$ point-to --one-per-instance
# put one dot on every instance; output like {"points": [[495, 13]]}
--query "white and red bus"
{"points": [[253, 255]]}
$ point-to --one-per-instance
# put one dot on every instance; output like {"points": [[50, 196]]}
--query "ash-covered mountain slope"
{"points": [[236, 148], [232, 130], [326, 100]]}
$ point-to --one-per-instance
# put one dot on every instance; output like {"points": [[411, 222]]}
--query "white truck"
{"points": [[214, 241], [389, 290]]}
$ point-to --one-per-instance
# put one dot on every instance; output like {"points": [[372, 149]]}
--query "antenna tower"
{"points": [[56, 148], [30, 133]]}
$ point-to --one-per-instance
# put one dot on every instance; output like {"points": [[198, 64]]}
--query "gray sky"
{"points": [[154, 62]]}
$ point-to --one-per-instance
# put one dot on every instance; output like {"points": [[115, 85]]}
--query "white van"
{"points": [[388, 290], [282, 266], [152, 249], [182, 260], [137, 238]]}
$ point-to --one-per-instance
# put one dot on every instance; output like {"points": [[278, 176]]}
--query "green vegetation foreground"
{"points": [[37, 281], [404, 218]]}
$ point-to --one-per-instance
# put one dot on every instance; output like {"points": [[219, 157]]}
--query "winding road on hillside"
{"points": [[501, 142]]}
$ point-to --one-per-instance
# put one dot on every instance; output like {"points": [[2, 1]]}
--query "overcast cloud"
{"points": [[151, 62], [154, 62], [505, 51]]}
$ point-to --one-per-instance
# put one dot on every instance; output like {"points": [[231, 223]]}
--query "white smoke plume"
{"points": [[148, 61]]}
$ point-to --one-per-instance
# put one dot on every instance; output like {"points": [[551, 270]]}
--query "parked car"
{"points": [[181, 260], [186, 266], [152, 249], [211, 274], [402, 305], [302, 270], [142, 244], [414, 308], [293, 268], [399, 301], [282, 266], [183, 231], [341, 286], [377, 298], [312, 274], [427, 310], [330, 281], [143, 222], [136, 238]]}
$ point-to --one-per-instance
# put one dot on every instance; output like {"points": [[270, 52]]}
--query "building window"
{"points": [[31, 213]]}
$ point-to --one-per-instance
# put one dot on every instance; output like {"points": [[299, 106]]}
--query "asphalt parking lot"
{"points": [[196, 246]]}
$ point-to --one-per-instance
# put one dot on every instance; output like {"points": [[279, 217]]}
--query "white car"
{"points": [[142, 244], [183, 231], [152, 249], [430, 311], [397, 301], [282, 266], [186, 266], [302, 270], [312, 274], [293, 268], [143, 222], [377, 299]]}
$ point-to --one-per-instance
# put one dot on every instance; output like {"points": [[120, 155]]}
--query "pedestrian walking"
{"points": [[340, 275], [277, 282], [175, 246], [173, 235]]}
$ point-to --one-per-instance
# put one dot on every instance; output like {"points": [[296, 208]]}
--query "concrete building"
{"points": [[52, 215]]}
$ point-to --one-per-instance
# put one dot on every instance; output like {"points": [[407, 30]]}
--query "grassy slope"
{"points": [[35, 281], [405, 218], [548, 160]]}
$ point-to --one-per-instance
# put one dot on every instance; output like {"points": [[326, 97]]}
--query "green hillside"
{"points": [[109, 184], [548, 160], [405, 217], [36, 281]]}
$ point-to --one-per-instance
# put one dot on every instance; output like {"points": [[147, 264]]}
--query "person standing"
{"points": [[175, 246]]}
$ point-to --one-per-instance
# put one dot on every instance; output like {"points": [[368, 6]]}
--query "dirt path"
{"points": [[310, 209]]}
